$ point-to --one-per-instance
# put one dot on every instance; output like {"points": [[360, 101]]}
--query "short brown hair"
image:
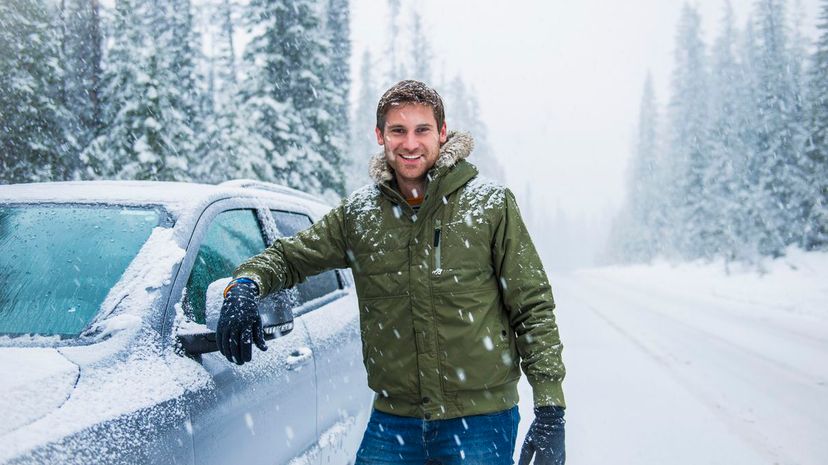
{"points": [[408, 92]]}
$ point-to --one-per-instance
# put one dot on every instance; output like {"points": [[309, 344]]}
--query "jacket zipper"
{"points": [[437, 246]]}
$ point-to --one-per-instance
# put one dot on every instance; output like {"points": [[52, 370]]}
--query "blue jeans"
{"points": [[472, 440]]}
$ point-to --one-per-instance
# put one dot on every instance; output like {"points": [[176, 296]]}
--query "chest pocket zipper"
{"points": [[437, 247]]}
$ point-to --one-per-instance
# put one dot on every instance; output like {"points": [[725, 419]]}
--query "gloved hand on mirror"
{"points": [[239, 325]]}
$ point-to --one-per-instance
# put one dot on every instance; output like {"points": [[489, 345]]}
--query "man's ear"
{"points": [[443, 134], [380, 139]]}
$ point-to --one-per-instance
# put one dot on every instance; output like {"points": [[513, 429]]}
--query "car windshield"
{"points": [[58, 262]]}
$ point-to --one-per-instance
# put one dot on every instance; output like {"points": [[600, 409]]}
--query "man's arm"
{"points": [[285, 263], [528, 299], [289, 260]]}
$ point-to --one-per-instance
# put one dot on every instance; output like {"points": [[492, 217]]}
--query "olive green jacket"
{"points": [[452, 298]]}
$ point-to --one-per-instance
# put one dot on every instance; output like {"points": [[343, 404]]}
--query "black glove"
{"points": [[545, 439], [239, 323]]}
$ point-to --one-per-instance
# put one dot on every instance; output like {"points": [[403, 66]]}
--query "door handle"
{"points": [[298, 358]]}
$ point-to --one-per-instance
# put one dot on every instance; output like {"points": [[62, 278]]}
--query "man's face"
{"points": [[411, 141]]}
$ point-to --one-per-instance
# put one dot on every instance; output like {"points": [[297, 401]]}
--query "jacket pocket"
{"points": [[382, 274], [474, 354], [388, 347]]}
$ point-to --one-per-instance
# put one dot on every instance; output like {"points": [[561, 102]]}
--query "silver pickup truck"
{"points": [[109, 296]]}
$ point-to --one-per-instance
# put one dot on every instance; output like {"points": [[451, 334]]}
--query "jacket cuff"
{"points": [[548, 393], [253, 277]]}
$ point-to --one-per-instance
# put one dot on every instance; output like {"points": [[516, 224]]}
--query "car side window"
{"points": [[288, 224], [232, 237]]}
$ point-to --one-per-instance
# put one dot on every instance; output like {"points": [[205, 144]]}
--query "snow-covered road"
{"points": [[670, 368]]}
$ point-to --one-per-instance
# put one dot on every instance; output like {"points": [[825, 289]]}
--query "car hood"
{"points": [[35, 382]]}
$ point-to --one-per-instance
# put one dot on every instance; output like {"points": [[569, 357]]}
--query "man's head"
{"points": [[408, 92], [411, 128]]}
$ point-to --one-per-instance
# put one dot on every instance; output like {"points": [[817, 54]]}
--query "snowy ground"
{"points": [[690, 365]]}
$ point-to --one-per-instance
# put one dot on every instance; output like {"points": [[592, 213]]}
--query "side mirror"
{"points": [[275, 310]]}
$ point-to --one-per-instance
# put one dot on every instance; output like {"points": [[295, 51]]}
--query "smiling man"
{"points": [[453, 298], [411, 134]]}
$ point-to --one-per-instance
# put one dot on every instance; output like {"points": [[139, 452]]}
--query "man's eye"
{"points": [[422, 130], [397, 131]]}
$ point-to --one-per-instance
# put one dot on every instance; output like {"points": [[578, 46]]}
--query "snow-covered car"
{"points": [[109, 296]]}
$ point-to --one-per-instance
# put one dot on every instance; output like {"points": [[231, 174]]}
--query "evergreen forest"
{"points": [[735, 165], [201, 91]]}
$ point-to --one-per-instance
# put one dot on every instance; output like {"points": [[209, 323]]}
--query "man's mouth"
{"points": [[409, 157]]}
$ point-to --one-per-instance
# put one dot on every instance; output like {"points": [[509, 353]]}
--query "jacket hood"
{"points": [[458, 146]]}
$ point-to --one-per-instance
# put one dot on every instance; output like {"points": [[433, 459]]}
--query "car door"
{"points": [[328, 309], [263, 412]]}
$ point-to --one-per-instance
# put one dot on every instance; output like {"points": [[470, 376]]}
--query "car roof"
{"points": [[176, 197]]}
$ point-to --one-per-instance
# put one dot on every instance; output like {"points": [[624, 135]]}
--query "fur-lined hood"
{"points": [[458, 146]]}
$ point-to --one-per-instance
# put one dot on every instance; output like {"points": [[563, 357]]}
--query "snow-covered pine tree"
{"points": [[749, 227], [181, 115], [363, 140], [463, 113], [232, 151], [689, 209], [643, 234], [308, 56], [803, 181], [82, 42], [270, 120], [421, 55], [289, 98], [33, 118], [147, 132], [778, 161], [122, 97], [339, 32], [397, 70], [816, 147], [798, 53], [338, 85], [726, 172]]}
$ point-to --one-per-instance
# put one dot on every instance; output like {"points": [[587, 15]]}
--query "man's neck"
{"points": [[411, 189]]}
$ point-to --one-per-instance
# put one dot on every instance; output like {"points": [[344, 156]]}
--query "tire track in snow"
{"points": [[756, 441], [752, 433], [805, 376], [741, 311]]}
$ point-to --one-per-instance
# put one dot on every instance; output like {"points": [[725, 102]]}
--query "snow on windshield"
{"points": [[58, 262]]}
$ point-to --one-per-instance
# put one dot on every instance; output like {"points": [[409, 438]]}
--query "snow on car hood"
{"points": [[43, 397], [35, 382]]}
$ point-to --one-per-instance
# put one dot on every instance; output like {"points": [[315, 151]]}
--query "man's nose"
{"points": [[410, 142]]}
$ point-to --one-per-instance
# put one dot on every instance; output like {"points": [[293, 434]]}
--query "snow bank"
{"points": [[796, 283]]}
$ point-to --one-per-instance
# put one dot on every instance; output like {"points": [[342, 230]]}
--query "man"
{"points": [[452, 296]]}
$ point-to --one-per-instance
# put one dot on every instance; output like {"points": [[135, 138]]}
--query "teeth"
{"points": [[410, 157]]}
